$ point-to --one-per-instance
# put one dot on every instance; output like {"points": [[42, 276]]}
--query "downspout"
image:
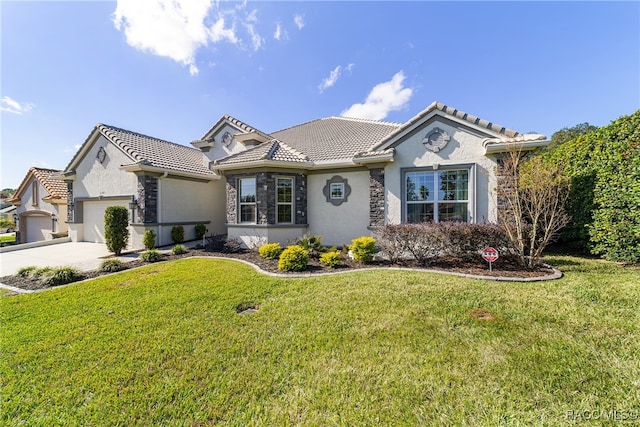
{"points": [[160, 207]]}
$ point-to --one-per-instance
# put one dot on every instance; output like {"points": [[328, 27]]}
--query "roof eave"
{"points": [[142, 167], [495, 147], [260, 163]]}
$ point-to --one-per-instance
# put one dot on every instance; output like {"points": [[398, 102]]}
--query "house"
{"points": [[7, 212], [162, 184], [337, 177], [41, 206]]}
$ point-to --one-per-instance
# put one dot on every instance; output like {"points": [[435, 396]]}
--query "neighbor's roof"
{"points": [[56, 189], [152, 151]]}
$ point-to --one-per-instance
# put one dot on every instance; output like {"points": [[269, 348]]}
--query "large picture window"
{"points": [[284, 200], [441, 195], [247, 199]]}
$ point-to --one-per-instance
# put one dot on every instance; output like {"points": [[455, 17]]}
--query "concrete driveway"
{"points": [[82, 255]]}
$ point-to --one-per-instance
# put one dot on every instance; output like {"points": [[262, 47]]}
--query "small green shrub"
{"points": [[311, 243], [149, 239], [270, 250], [177, 234], [111, 265], [37, 273], [116, 228], [26, 271], [293, 258], [331, 259], [60, 276], [200, 230], [363, 248], [179, 249], [151, 256]]}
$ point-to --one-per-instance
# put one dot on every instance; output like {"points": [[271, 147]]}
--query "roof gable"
{"points": [[232, 121], [272, 151], [56, 189]]}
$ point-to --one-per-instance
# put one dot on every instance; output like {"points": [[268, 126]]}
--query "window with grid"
{"points": [[437, 195], [247, 199], [284, 200]]}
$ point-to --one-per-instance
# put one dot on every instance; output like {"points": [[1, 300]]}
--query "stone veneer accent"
{"points": [[376, 197], [147, 211], [266, 196], [69, 201], [505, 185]]}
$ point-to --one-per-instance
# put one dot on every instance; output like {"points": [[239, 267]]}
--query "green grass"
{"points": [[8, 238], [164, 345]]}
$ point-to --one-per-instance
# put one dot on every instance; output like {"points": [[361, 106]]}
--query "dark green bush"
{"points": [[200, 230], [179, 249], [111, 265], [151, 256], [177, 234], [60, 276], [270, 250], [363, 248], [116, 228], [293, 258], [331, 259], [149, 239]]}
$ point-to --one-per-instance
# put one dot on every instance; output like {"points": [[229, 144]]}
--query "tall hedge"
{"points": [[604, 167], [116, 228]]}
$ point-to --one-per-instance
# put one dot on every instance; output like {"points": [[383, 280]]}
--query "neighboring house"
{"points": [[341, 178], [337, 177], [41, 204], [162, 184], [7, 212]]}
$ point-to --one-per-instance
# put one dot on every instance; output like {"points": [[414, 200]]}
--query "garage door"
{"points": [[93, 219], [38, 228]]}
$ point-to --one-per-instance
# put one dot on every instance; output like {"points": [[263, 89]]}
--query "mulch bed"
{"points": [[504, 267]]}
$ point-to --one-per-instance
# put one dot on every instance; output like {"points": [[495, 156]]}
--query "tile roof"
{"points": [[273, 150], [156, 152], [335, 138], [235, 122], [56, 189]]}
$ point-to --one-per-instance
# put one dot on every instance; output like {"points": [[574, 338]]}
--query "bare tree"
{"points": [[533, 196]]}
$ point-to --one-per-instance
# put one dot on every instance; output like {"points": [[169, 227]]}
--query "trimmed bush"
{"points": [[311, 243], [293, 258], [363, 248], [177, 234], [149, 239], [116, 228], [111, 265], [151, 256], [60, 276], [331, 259], [270, 250], [200, 230], [26, 271], [179, 249]]}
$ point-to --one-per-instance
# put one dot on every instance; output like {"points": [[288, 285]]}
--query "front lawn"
{"points": [[165, 345], [8, 239]]}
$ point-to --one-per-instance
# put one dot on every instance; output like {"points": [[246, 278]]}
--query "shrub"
{"points": [[151, 256], [200, 230], [232, 245], [391, 241], [363, 248], [293, 258], [331, 259], [270, 250], [179, 249], [177, 234], [60, 276], [111, 265], [149, 239], [116, 228], [311, 243], [26, 271], [38, 273]]}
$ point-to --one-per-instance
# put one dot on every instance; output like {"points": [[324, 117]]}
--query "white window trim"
{"points": [[292, 203], [241, 203], [471, 201]]}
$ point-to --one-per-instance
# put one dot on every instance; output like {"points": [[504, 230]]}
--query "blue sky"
{"points": [[171, 69]]}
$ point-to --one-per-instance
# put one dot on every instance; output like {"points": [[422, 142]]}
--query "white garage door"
{"points": [[38, 228], [93, 219]]}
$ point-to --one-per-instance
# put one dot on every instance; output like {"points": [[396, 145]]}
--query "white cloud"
{"points": [[383, 98], [12, 106], [176, 29], [299, 21], [279, 33], [74, 149], [334, 75]]}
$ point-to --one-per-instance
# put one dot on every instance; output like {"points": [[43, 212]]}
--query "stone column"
{"points": [[376, 197], [147, 212]]}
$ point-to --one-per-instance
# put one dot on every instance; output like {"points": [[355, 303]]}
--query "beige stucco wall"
{"points": [[465, 147], [219, 150], [252, 236], [338, 225]]}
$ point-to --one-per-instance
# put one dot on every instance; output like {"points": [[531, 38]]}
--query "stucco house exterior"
{"points": [[41, 208], [336, 177]]}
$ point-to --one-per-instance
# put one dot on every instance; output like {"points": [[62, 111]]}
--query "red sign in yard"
{"points": [[489, 254]]}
